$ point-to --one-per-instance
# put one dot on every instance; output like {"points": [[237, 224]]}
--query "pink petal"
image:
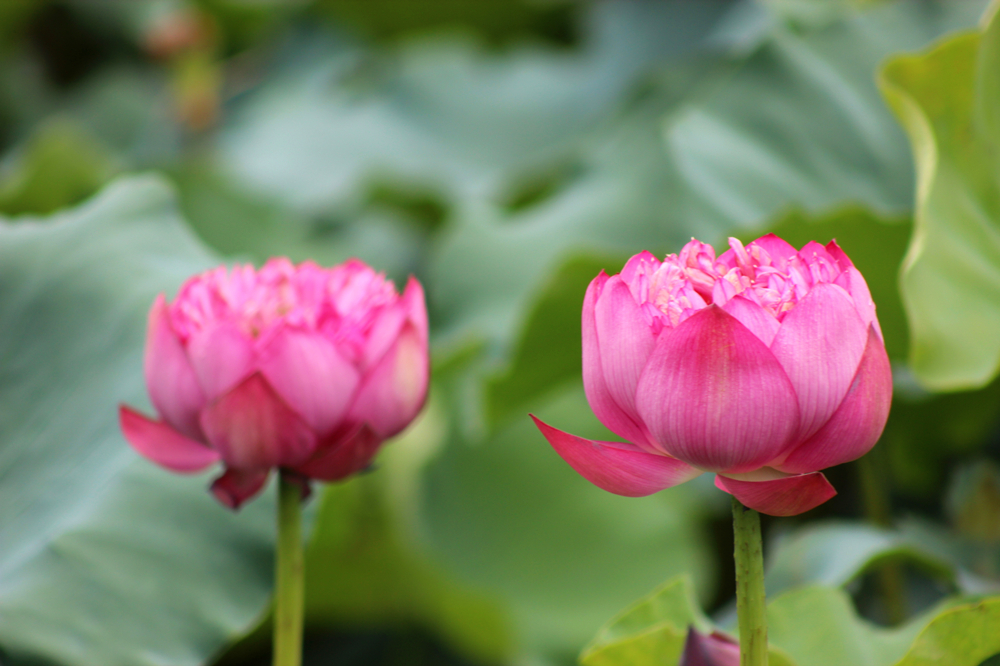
{"points": [[162, 444], [778, 249], [715, 397], [252, 428], [394, 390], [625, 340], [384, 331], [342, 457], [172, 383], [618, 467], [311, 377], [820, 344], [236, 486], [855, 284], [789, 496], [857, 423], [760, 322], [604, 406], [222, 357]]}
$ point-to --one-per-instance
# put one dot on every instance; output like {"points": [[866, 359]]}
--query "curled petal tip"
{"points": [[158, 442], [618, 467]]}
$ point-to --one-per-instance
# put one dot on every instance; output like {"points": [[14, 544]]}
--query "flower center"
{"points": [[340, 302], [676, 288]]}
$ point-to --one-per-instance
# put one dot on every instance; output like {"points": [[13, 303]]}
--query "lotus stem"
{"points": [[751, 607], [289, 570]]}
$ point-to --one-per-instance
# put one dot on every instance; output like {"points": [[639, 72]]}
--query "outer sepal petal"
{"points": [[788, 496], [858, 422], [160, 443], [714, 396], [618, 467]]}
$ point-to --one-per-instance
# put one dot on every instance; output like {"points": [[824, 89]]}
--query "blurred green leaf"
{"points": [[499, 20], [366, 568], [242, 224], [549, 351], [947, 99], [835, 553], [801, 122], [963, 636], [104, 557], [510, 517], [925, 433], [818, 626], [60, 166], [447, 114]]}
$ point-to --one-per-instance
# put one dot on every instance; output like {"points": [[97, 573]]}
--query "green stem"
{"points": [[288, 572], [750, 602]]}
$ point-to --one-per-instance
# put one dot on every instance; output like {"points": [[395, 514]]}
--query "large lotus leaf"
{"points": [[106, 559], [508, 516], [810, 626], [802, 123], [239, 223], [946, 98], [835, 553], [446, 115], [962, 636], [652, 631], [818, 626]]}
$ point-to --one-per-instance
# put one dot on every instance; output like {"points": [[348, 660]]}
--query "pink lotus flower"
{"points": [[762, 366], [303, 368]]}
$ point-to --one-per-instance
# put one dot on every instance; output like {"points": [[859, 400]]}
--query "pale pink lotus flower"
{"points": [[763, 366], [301, 368], [714, 649]]}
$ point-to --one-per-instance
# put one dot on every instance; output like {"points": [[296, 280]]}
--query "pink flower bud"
{"points": [[714, 649], [763, 366], [303, 368]]}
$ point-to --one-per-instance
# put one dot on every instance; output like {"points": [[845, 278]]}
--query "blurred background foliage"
{"points": [[503, 151]]}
